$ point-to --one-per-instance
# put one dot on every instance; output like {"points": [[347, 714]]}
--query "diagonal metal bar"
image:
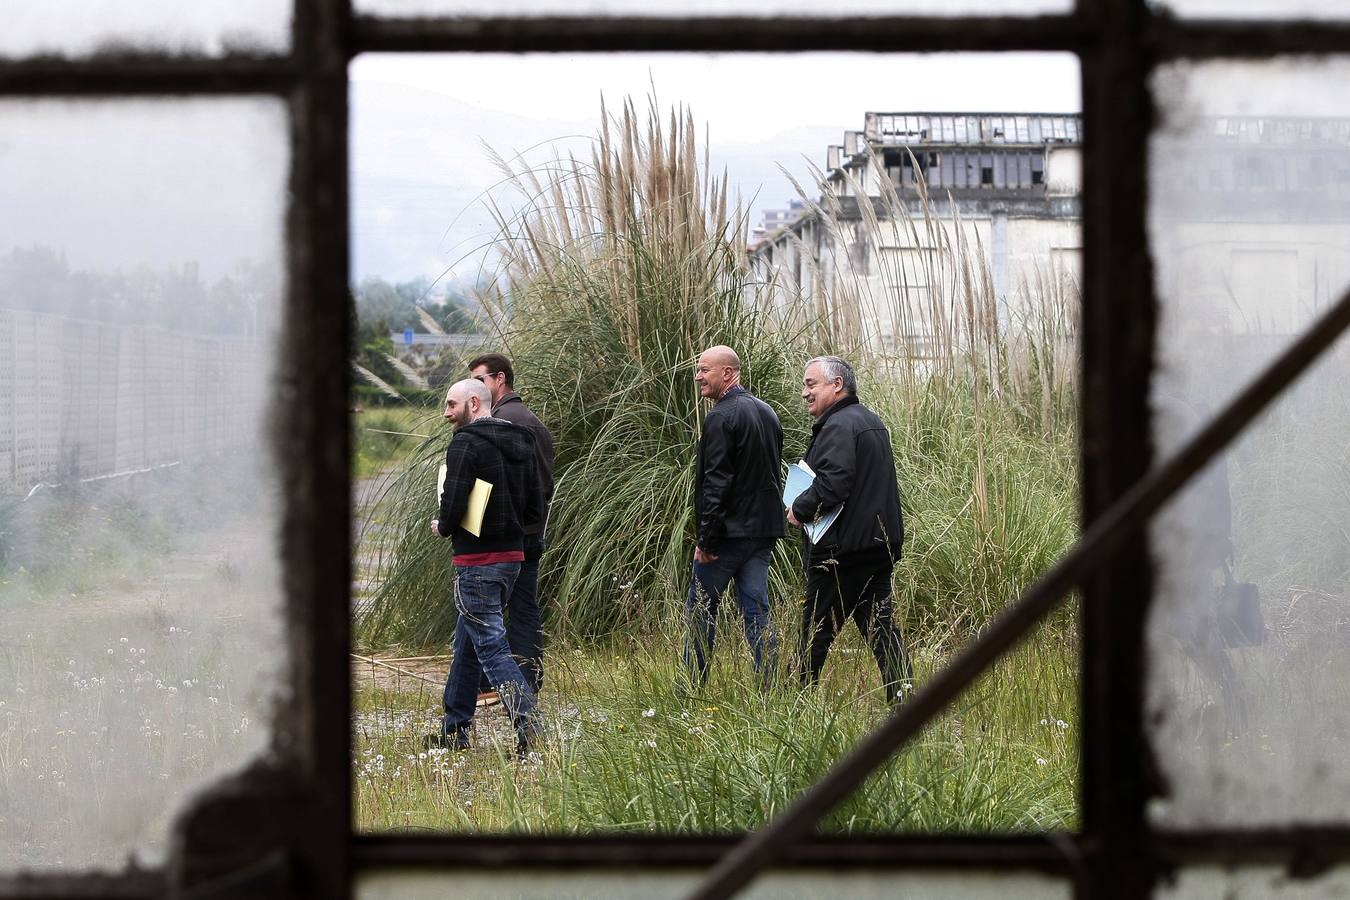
{"points": [[1097, 543]]}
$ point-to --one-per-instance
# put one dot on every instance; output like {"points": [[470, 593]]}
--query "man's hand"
{"points": [[792, 518], [701, 557], [436, 527]]}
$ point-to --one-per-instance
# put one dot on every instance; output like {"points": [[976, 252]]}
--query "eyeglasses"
{"points": [[484, 378]]}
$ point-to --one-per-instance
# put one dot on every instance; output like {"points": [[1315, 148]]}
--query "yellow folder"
{"points": [[478, 501]]}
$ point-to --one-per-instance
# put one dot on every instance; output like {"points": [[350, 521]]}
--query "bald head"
{"points": [[721, 355], [718, 370], [466, 401]]}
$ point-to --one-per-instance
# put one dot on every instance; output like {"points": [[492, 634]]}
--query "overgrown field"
{"points": [[620, 272], [140, 643], [629, 751]]}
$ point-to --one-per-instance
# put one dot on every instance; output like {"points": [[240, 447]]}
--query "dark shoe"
{"points": [[526, 740], [439, 741]]}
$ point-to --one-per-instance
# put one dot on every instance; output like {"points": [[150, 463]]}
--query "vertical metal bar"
{"points": [[312, 415], [1118, 328]]}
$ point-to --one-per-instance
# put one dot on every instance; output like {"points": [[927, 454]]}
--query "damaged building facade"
{"points": [[915, 205], [1256, 211]]}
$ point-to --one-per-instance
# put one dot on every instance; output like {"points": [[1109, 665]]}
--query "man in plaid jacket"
{"points": [[487, 563]]}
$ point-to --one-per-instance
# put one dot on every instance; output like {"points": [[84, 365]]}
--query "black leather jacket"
{"points": [[738, 479], [850, 452]]}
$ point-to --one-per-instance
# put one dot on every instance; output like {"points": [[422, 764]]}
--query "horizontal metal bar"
{"points": [[1169, 38], [1098, 542], [1052, 853], [147, 74], [1304, 851], [132, 885], [715, 33]]}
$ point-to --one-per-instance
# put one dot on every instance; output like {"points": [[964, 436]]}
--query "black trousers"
{"points": [[859, 589]]}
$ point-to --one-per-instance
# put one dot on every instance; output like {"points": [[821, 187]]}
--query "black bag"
{"points": [[1239, 613]]}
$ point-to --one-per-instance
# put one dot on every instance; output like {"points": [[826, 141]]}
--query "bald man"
{"points": [[738, 512], [487, 562]]}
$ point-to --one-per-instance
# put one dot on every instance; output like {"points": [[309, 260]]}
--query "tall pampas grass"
{"points": [[618, 269]]}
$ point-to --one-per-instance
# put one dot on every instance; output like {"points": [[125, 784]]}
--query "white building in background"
{"points": [[1006, 185], [1255, 213]]}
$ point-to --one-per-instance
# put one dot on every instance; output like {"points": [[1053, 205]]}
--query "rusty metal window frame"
{"points": [[284, 827]]}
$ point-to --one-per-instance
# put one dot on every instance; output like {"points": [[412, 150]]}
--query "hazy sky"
{"points": [[161, 183], [156, 182], [421, 125]]}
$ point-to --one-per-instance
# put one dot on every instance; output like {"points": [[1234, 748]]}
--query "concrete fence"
{"points": [[89, 399]]}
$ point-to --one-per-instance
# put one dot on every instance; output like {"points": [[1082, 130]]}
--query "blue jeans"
{"points": [[746, 560], [480, 647], [524, 632]]}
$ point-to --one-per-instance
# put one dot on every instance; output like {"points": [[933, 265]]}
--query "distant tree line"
{"points": [[244, 302]]}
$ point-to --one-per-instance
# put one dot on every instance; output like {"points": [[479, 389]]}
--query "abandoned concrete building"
{"points": [[1000, 192], [1000, 195]]}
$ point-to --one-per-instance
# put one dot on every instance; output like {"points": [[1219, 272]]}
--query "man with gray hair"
{"points": [[849, 568], [487, 557]]}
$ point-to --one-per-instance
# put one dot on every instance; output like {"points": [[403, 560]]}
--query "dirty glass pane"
{"points": [[1257, 9], [1250, 177], [87, 27], [141, 256], [494, 211], [775, 8], [571, 884], [1254, 883]]}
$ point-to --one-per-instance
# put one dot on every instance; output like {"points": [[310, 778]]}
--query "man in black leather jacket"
{"points": [[848, 571], [738, 510]]}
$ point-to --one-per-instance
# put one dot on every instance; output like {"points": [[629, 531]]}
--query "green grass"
{"points": [[628, 751], [384, 437]]}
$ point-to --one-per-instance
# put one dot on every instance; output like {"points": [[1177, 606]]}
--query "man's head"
{"points": [[718, 369], [826, 381], [493, 370], [466, 401]]}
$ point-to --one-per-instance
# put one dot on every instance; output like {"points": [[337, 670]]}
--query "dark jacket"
{"points": [[501, 454], [738, 479], [513, 409], [850, 452]]}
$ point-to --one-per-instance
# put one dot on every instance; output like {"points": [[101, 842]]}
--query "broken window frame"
{"points": [[283, 828]]}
